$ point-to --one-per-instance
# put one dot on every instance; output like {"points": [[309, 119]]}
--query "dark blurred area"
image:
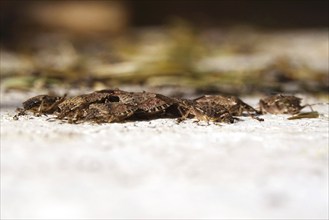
{"points": [[267, 13], [20, 18]]}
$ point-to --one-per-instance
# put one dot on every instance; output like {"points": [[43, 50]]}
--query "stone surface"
{"points": [[160, 169]]}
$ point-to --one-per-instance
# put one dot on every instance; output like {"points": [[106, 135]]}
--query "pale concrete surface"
{"points": [[159, 169]]}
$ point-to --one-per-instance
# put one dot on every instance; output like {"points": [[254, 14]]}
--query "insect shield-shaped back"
{"points": [[42, 104], [153, 105], [211, 112], [74, 108], [280, 104], [109, 112], [234, 105]]}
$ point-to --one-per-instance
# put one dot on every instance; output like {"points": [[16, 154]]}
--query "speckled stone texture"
{"points": [[160, 169]]}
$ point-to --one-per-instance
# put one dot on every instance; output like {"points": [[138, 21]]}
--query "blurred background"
{"points": [[190, 46]]}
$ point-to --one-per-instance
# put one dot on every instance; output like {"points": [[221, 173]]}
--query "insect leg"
{"points": [[52, 108], [310, 105], [184, 114]]}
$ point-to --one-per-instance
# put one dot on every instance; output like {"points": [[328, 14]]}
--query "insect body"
{"points": [[74, 108], [154, 105], [114, 105], [41, 104], [281, 104], [234, 105], [109, 112], [149, 105], [204, 111], [209, 112]]}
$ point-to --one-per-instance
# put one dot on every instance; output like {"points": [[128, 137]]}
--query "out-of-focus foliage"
{"points": [[236, 60]]}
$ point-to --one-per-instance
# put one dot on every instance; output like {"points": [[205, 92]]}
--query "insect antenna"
{"points": [[310, 105]]}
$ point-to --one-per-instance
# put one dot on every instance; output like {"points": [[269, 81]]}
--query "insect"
{"points": [[149, 105], [234, 105], [207, 111], [41, 104], [281, 104], [154, 105], [74, 108], [108, 112], [114, 105], [118, 95]]}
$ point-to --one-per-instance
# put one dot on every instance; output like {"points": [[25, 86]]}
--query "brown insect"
{"points": [[281, 104], [74, 108], [119, 95], [108, 112], [114, 105], [41, 104], [149, 105], [207, 111], [234, 105], [155, 105]]}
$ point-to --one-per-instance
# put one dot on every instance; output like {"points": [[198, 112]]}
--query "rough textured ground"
{"points": [[159, 169]]}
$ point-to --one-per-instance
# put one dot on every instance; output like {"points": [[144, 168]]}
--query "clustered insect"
{"points": [[114, 105]]}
